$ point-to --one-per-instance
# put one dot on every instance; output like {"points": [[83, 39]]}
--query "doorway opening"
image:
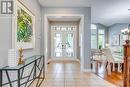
{"points": [[63, 35], [64, 41]]}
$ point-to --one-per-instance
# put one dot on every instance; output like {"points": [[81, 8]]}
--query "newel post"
{"points": [[126, 72]]}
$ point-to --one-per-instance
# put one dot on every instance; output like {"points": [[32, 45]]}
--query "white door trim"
{"points": [[46, 32]]}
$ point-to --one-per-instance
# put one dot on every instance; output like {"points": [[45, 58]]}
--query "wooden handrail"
{"points": [[126, 72]]}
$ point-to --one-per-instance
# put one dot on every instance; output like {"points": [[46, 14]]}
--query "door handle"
{"points": [[63, 47]]}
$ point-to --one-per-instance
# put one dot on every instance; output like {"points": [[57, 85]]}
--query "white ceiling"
{"points": [[65, 3], [106, 12]]}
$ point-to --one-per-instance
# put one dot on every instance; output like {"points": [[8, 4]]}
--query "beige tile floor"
{"points": [[67, 74]]}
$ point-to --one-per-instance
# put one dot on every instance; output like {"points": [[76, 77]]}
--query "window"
{"points": [[93, 36], [97, 37], [101, 38]]}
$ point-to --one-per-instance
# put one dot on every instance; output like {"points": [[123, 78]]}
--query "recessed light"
{"points": [[129, 9]]}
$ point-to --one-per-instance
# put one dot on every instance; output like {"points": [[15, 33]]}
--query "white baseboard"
{"points": [[63, 59], [88, 70], [48, 61]]}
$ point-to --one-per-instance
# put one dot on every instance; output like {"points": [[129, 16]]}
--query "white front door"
{"points": [[63, 42]]}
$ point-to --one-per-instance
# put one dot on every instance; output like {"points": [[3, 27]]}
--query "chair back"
{"points": [[108, 54]]}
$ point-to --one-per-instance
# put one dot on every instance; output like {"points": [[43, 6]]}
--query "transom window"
{"points": [[63, 28]]}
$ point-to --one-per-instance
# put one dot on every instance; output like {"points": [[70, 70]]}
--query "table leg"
{"points": [[0, 78], [118, 67], [109, 68], [113, 66], [96, 67], [18, 78]]}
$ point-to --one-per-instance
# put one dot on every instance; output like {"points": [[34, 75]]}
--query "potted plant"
{"points": [[100, 47]]}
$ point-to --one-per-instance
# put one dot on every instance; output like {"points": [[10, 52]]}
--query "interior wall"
{"points": [[115, 29], [6, 32], [34, 7], [5, 38], [49, 41], [86, 11], [78, 41]]}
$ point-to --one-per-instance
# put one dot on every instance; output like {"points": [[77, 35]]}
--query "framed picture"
{"points": [[25, 27], [123, 39], [115, 40]]}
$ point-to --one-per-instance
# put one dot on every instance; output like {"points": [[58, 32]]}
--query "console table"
{"points": [[24, 75]]}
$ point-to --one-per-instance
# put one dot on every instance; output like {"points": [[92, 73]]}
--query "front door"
{"points": [[63, 42]]}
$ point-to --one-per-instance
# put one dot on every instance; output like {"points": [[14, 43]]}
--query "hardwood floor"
{"points": [[111, 76]]}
